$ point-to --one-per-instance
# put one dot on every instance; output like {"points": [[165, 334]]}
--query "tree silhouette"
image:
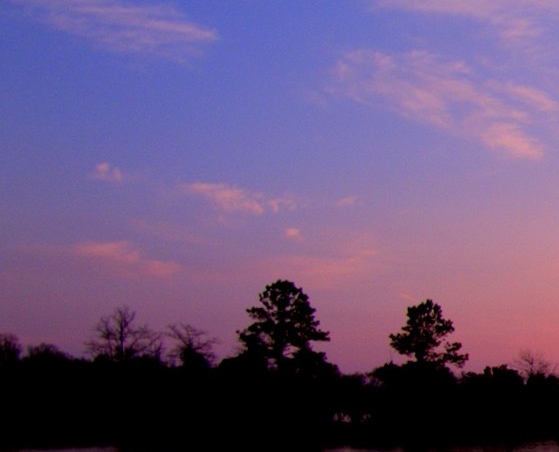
{"points": [[531, 363], [10, 349], [423, 337], [284, 326], [119, 339], [46, 354], [193, 349]]}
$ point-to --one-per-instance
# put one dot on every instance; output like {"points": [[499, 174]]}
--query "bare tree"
{"points": [[119, 339], [530, 363], [193, 346]]}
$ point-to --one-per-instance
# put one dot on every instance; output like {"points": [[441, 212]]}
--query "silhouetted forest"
{"points": [[277, 393]]}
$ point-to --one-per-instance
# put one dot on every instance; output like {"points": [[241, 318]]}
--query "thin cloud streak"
{"points": [[446, 95], [514, 20], [124, 27], [124, 260], [326, 260], [532, 97], [233, 199], [346, 202], [326, 272], [168, 232]]}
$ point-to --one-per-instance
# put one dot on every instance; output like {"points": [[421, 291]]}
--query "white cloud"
{"points": [[447, 95], [124, 26], [233, 199], [106, 172]]}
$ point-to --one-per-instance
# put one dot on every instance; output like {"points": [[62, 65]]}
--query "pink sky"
{"points": [[176, 158]]}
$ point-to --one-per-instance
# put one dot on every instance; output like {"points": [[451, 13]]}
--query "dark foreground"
{"points": [[144, 406]]}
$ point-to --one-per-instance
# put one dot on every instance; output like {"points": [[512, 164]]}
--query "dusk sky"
{"points": [[178, 156]]}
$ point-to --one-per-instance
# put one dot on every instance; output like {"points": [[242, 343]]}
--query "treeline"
{"points": [[277, 393]]}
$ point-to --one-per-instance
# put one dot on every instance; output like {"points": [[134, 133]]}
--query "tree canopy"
{"points": [[10, 349], [423, 337], [284, 327]]}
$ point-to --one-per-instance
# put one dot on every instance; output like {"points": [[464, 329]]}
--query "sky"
{"points": [[176, 157]]}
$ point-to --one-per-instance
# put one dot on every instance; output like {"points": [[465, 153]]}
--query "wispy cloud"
{"points": [[233, 199], [346, 202], [168, 231], [328, 271], [447, 95], [123, 259], [328, 259], [124, 26], [106, 172], [514, 20], [532, 97]]}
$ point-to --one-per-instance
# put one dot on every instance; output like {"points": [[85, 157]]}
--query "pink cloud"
{"points": [[530, 96], [124, 26], [233, 199], [447, 95], [106, 172], [293, 234], [512, 19], [124, 260], [508, 137], [477, 8], [326, 272], [328, 262], [346, 202]]}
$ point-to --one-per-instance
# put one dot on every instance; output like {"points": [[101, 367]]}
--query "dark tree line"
{"points": [[276, 393]]}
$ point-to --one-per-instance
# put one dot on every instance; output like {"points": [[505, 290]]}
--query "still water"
{"points": [[547, 446]]}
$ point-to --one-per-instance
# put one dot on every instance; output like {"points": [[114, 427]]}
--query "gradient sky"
{"points": [[176, 157]]}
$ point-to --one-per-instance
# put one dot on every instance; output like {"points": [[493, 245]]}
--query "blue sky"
{"points": [[176, 157]]}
